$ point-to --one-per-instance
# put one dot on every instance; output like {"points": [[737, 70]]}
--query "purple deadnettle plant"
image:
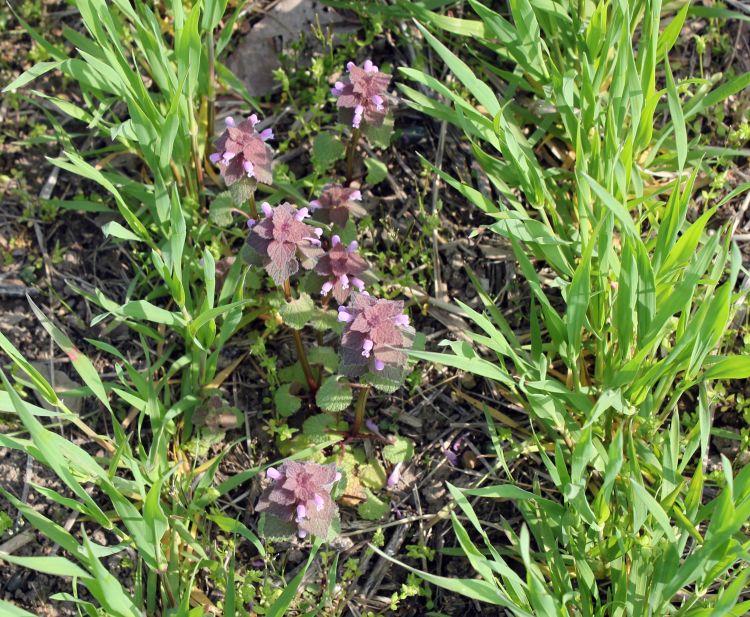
{"points": [[362, 95], [242, 152], [374, 336], [282, 240], [335, 204], [342, 266], [300, 497]]}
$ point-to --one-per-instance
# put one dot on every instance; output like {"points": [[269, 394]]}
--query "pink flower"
{"points": [[363, 94], [375, 334], [335, 203], [242, 152], [282, 240], [342, 266], [300, 495]]}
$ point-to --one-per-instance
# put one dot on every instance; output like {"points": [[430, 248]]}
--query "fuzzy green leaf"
{"points": [[220, 210], [373, 508], [399, 452], [326, 150], [334, 396], [298, 313], [286, 402]]}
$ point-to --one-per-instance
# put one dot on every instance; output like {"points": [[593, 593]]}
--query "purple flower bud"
{"points": [[379, 365], [229, 121], [254, 119], [344, 316], [228, 156], [356, 196], [251, 223], [301, 511], [359, 110], [395, 475], [344, 280], [401, 320], [335, 240], [451, 456], [302, 214], [353, 246], [350, 65], [319, 503], [248, 167], [266, 134], [302, 533], [267, 209], [372, 427], [273, 473], [358, 283], [367, 347], [337, 477], [215, 157], [326, 288], [314, 204]]}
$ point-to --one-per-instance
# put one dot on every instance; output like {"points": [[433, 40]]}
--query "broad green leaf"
{"points": [[297, 313], [286, 403], [333, 396]]}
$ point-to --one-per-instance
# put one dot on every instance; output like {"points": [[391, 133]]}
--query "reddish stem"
{"points": [[301, 354]]}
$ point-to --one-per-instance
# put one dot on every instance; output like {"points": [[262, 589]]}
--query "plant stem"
{"points": [[211, 103], [254, 214], [351, 148], [301, 354], [359, 410]]}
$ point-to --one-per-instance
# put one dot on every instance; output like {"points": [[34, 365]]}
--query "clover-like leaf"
{"points": [[376, 171], [298, 312], [326, 150], [399, 452], [372, 474], [334, 396], [373, 509], [286, 402], [315, 427], [387, 383], [326, 321], [380, 136], [326, 356], [220, 210]]}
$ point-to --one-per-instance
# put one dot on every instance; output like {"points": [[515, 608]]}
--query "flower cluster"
{"points": [[342, 266], [300, 495], [282, 240], [242, 152], [375, 334], [335, 204], [362, 94]]}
